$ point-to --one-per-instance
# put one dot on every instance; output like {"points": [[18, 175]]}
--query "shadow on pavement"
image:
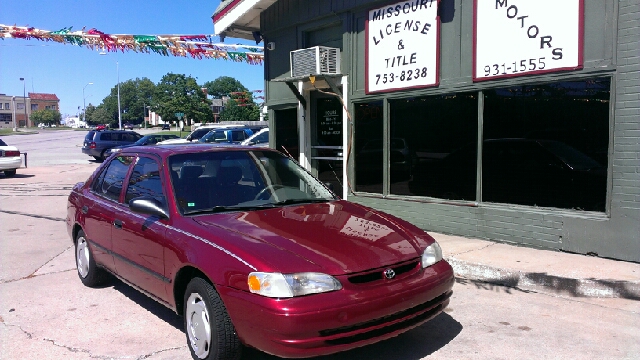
{"points": [[16, 176], [412, 345], [157, 309]]}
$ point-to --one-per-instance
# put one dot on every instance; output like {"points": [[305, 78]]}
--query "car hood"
{"points": [[338, 237]]}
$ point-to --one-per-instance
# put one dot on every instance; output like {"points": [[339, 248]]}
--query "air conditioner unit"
{"points": [[317, 60]]}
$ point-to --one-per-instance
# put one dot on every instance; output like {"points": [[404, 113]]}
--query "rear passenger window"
{"points": [[145, 181], [109, 183], [106, 136]]}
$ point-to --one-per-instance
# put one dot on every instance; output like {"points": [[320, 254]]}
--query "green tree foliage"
{"points": [[176, 93], [134, 95], [223, 86], [240, 107], [45, 116]]}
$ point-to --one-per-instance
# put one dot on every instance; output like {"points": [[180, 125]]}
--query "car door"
{"points": [[100, 209], [138, 239]]}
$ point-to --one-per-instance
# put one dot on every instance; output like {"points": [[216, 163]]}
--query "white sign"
{"points": [[523, 37], [402, 46]]}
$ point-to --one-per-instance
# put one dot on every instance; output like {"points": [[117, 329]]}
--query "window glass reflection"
{"points": [[546, 145], [433, 146], [368, 147]]}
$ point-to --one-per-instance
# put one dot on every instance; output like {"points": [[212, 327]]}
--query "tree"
{"points": [[240, 107], [223, 86], [177, 93], [45, 116]]}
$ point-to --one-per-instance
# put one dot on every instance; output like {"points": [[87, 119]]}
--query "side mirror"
{"points": [[149, 206], [189, 138]]}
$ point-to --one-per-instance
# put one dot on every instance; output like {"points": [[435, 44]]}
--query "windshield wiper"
{"points": [[217, 209], [300, 201]]}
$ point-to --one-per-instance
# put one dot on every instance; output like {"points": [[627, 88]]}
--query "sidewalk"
{"points": [[543, 271]]}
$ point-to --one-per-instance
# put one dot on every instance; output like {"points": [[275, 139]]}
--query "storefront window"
{"points": [[368, 147], [434, 146], [546, 145]]}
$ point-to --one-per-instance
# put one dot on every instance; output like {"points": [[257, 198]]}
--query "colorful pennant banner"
{"points": [[195, 46]]}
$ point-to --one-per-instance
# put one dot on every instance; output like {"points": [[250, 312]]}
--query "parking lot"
{"points": [[45, 311]]}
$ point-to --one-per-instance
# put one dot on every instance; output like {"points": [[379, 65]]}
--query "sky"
{"points": [[65, 70]]}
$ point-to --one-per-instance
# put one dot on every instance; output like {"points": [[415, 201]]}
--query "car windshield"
{"points": [[214, 136], [216, 181], [575, 159]]}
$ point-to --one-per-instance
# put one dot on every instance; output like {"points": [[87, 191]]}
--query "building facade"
{"points": [[13, 107], [507, 120]]}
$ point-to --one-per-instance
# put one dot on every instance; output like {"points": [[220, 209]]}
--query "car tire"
{"points": [[98, 158], [103, 155], [88, 271], [210, 333], [10, 173]]}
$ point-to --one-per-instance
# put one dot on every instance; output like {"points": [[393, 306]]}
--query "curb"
{"points": [[546, 283]]}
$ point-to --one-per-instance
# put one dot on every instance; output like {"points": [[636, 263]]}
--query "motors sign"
{"points": [[402, 46], [523, 37]]}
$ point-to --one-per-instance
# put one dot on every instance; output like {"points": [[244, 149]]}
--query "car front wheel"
{"points": [[89, 273], [210, 333]]}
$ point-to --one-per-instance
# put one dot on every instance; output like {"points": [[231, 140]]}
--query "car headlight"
{"points": [[279, 285], [431, 255], [114, 150]]}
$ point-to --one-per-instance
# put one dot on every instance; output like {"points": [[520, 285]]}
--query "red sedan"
{"points": [[252, 250]]}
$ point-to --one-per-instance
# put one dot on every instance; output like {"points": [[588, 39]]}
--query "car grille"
{"points": [[422, 312], [378, 274]]}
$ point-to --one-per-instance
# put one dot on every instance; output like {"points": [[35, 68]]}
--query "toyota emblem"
{"points": [[389, 274]]}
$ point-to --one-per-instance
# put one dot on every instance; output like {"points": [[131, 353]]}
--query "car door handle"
{"points": [[117, 224], [85, 209]]}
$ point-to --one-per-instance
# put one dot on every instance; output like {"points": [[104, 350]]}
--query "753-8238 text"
{"points": [[404, 75]]}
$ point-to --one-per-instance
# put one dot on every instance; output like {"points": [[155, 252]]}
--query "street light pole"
{"points": [[24, 97], [119, 112], [118, 72], [13, 100], [84, 105]]}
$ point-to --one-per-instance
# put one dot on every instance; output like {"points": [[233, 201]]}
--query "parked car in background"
{"points": [[101, 127], [10, 159], [259, 139], [229, 135], [98, 143], [146, 140], [128, 126], [252, 250], [166, 127], [196, 134]]}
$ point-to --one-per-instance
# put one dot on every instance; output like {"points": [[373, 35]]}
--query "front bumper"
{"points": [[355, 316]]}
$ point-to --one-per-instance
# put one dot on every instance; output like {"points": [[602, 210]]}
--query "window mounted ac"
{"points": [[317, 60]]}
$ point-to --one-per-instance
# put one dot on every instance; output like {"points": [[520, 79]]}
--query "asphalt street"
{"points": [[46, 313]]}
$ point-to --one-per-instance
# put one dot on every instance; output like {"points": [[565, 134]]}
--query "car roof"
{"points": [[173, 149]]}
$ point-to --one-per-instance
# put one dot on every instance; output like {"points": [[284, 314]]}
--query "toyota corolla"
{"points": [[252, 250]]}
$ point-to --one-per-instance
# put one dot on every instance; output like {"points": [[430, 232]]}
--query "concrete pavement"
{"points": [[37, 272]]}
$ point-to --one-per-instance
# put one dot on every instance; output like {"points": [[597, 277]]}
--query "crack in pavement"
{"points": [[160, 351], [471, 250], [29, 335], [32, 215]]}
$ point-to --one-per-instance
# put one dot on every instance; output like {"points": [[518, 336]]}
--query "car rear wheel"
{"points": [[10, 173], [89, 273], [210, 333]]}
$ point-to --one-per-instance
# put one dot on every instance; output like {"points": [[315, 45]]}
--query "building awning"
{"points": [[239, 18]]}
